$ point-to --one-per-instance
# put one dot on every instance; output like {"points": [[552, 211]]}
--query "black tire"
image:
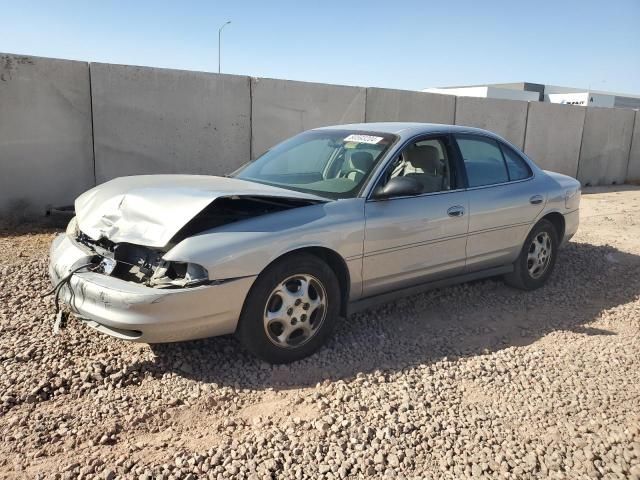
{"points": [[522, 277], [259, 339]]}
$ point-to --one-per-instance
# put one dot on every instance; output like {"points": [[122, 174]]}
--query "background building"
{"points": [[532, 92], [487, 91]]}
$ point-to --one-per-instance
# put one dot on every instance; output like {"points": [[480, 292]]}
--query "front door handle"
{"points": [[456, 211], [536, 200]]}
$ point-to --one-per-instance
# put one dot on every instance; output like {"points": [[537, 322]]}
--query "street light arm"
{"points": [[224, 25], [220, 39]]}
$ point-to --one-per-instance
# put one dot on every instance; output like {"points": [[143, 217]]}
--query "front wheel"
{"points": [[537, 258], [290, 310]]}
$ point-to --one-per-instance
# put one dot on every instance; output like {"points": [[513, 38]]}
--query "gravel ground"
{"points": [[469, 381]]}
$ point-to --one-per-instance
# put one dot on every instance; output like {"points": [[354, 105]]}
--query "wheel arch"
{"points": [[335, 261], [557, 220]]}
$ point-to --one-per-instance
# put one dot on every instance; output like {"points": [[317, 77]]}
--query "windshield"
{"points": [[329, 163]]}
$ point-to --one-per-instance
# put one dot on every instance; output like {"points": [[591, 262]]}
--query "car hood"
{"points": [[150, 209]]}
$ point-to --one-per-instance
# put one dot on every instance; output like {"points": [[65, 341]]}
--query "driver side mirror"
{"points": [[399, 187]]}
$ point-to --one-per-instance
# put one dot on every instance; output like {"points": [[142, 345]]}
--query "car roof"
{"points": [[408, 129]]}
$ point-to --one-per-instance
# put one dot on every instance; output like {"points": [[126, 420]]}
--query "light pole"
{"points": [[219, 36]]}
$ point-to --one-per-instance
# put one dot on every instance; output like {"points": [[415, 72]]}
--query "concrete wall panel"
{"points": [[150, 120], [507, 118], [606, 141], [633, 169], [385, 105], [553, 136], [46, 152], [282, 108]]}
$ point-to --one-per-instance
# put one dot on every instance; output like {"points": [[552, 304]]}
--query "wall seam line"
{"points": [[93, 131], [251, 118], [526, 125], [366, 95], [584, 121], [633, 129], [455, 108]]}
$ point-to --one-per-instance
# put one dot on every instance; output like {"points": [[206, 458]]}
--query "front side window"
{"points": [[427, 161], [483, 160], [330, 163]]}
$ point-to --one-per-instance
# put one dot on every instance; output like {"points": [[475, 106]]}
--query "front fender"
{"points": [[245, 248]]}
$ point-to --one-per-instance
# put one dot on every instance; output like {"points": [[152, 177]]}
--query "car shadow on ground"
{"points": [[456, 322]]}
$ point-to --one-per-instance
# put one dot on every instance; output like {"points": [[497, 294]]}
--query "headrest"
{"points": [[425, 157], [362, 161]]}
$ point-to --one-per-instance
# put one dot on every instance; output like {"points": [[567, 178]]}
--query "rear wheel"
{"points": [[290, 310], [537, 258]]}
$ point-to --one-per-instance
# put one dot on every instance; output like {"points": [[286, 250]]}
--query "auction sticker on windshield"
{"points": [[362, 138]]}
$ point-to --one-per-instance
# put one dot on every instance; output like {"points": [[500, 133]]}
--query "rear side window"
{"points": [[517, 167], [483, 160]]}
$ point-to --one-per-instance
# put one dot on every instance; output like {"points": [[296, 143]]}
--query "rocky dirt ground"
{"points": [[477, 380]]}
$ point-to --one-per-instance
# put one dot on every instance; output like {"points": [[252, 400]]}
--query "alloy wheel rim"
{"points": [[295, 310], [539, 255]]}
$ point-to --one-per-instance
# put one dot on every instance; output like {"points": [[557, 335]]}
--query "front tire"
{"points": [[537, 258], [290, 310]]}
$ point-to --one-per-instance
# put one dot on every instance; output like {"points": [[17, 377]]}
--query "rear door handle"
{"points": [[536, 200], [456, 211]]}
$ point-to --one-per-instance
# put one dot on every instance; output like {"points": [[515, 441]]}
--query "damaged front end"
{"points": [[117, 268], [139, 264], [143, 265], [146, 266]]}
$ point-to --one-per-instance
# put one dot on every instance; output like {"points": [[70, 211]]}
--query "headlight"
{"points": [[179, 274], [196, 273], [73, 229]]}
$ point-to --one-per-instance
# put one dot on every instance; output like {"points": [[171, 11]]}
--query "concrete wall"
{"points": [[45, 133], [606, 140], [507, 118], [386, 105], [282, 108], [150, 120], [553, 136], [65, 125], [633, 169]]}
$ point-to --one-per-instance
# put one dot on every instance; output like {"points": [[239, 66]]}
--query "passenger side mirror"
{"points": [[399, 187]]}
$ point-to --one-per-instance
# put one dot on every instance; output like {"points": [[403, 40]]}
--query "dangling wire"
{"points": [[58, 288]]}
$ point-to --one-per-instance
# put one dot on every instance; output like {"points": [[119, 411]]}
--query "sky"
{"points": [[405, 44]]}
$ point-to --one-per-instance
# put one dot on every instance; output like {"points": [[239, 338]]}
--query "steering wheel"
{"points": [[356, 170]]}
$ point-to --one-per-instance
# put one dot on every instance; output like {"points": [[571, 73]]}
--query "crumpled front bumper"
{"points": [[135, 312]]}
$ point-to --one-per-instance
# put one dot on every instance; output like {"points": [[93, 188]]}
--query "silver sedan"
{"points": [[326, 223]]}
